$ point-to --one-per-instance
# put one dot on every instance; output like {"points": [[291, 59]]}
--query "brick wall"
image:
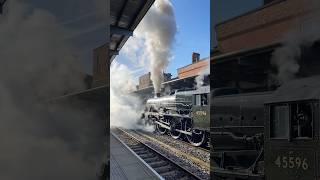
{"points": [[193, 69], [144, 81], [100, 68], [263, 26]]}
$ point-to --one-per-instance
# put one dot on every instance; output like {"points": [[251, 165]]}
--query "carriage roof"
{"points": [[297, 90]]}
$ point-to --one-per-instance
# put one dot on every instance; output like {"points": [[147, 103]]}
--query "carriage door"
{"points": [[290, 143]]}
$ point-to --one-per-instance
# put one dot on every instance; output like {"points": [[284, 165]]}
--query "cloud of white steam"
{"points": [[125, 108], [42, 140], [286, 60], [287, 57], [157, 30], [199, 80], [149, 49]]}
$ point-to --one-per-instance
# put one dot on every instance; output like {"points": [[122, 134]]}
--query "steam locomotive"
{"points": [[268, 135], [182, 113]]}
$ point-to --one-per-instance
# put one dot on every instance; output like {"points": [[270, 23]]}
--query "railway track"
{"points": [[205, 164], [164, 166], [183, 141], [189, 154]]}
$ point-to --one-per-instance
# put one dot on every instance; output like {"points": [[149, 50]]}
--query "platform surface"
{"points": [[125, 165]]}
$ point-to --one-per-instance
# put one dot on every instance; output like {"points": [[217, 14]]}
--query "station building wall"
{"points": [[271, 23]]}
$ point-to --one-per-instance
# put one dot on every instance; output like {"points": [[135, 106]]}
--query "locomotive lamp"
{"points": [[2, 2]]}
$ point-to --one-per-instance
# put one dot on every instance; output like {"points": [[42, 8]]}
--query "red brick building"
{"points": [[145, 81], [263, 26], [198, 65], [243, 57]]}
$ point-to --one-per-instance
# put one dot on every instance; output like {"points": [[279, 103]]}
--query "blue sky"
{"points": [[193, 22]]}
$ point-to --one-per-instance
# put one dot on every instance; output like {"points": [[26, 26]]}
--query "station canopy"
{"points": [[125, 15]]}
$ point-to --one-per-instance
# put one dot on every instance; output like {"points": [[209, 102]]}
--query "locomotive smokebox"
{"points": [[157, 94]]}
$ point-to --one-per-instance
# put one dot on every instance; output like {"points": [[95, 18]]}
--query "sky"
{"points": [[193, 23]]}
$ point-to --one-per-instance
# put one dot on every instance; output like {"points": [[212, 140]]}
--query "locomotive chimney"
{"points": [[195, 57]]}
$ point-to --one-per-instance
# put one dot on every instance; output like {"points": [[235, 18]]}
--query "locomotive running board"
{"points": [[168, 127]]}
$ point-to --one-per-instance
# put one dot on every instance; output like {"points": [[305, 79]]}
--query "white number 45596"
{"points": [[291, 162]]}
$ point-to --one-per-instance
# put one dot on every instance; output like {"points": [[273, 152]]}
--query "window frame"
{"points": [[270, 122], [207, 100], [290, 137]]}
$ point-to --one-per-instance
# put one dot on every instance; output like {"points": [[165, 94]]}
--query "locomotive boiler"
{"points": [[182, 113]]}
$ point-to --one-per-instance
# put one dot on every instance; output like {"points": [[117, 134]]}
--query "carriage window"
{"points": [[279, 121], [198, 100], [204, 100], [299, 116], [201, 99], [301, 120]]}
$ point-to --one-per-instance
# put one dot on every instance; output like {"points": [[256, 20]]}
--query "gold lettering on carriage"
{"points": [[201, 113], [292, 162]]}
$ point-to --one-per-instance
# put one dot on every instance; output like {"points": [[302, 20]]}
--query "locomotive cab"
{"points": [[200, 113], [292, 132], [200, 110]]}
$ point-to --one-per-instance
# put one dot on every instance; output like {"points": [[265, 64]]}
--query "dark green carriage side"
{"points": [[200, 111], [292, 131], [201, 116]]}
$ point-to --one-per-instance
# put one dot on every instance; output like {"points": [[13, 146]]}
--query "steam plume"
{"points": [[126, 109], [154, 37], [158, 30]]}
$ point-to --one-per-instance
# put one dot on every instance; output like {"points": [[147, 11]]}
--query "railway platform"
{"points": [[126, 165]]}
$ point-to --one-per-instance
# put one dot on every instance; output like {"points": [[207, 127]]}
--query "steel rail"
{"points": [[143, 150]]}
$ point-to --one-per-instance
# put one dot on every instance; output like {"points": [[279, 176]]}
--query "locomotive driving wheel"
{"points": [[176, 126], [160, 129], [197, 138]]}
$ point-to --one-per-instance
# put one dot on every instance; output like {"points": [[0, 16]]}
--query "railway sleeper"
{"points": [[152, 159], [158, 164], [163, 169], [141, 151], [137, 147], [145, 156]]}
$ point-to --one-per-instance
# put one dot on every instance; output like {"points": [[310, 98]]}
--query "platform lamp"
{"points": [[1, 5]]}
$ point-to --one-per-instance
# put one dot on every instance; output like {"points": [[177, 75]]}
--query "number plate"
{"points": [[290, 164]]}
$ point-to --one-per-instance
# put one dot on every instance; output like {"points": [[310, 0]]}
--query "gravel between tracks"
{"points": [[183, 146]]}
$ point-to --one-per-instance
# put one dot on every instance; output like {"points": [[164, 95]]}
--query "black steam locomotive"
{"points": [[182, 113], [269, 135]]}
